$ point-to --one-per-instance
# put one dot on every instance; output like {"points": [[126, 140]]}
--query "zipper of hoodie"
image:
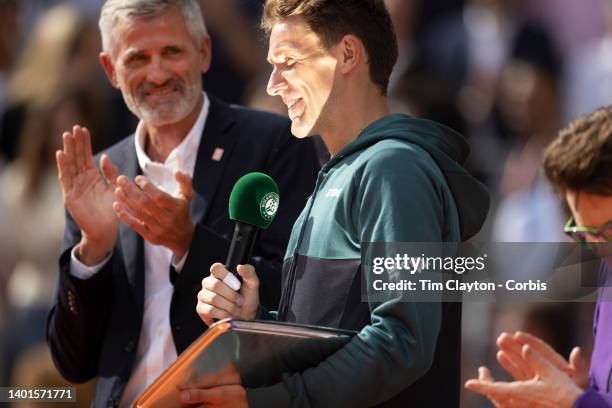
{"points": [[287, 289]]}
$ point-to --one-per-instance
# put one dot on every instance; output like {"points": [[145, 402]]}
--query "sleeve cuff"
{"points": [[82, 271], [264, 314], [593, 399], [276, 396], [178, 264]]}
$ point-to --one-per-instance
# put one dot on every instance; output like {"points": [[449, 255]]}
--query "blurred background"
{"points": [[506, 73]]}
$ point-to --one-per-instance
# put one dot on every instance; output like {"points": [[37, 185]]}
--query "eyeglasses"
{"points": [[602, 233]]}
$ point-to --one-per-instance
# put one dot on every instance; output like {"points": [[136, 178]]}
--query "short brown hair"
{"points": [[331, 20], [580, 159]]}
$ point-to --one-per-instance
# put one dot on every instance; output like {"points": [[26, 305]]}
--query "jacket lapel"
{"points": [[132, 244], [213, 155]]}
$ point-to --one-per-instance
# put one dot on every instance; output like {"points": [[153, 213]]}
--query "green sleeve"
{"points": [[397, 199]]}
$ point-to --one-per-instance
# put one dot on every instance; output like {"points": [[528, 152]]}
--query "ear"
{"points": [[205, 51], [352, 53], [109, 68]]}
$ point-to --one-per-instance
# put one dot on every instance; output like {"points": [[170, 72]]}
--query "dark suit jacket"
{"points": [[94, 326]]}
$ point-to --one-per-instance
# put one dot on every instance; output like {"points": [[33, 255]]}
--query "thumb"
{"points": [[484, 374], [580, 368], [577, 360], [249, 276], [185, 186], [110, 171]]}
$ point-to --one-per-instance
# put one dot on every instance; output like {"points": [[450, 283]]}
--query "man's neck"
{"points": [[358, 110], [161, 140]]}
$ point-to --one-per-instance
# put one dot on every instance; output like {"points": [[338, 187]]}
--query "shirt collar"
{"points": [[183, 156]]}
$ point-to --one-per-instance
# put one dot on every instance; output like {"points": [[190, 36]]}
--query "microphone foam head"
{"points": [[254, 200]]}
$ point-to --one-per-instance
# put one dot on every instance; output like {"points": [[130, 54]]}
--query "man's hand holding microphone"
{"points": [[218, 300], [253, 204]]}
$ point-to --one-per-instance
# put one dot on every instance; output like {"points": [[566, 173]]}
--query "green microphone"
{"points": [[252, 204]]}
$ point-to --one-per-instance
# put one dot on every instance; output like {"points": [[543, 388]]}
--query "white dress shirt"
{"points": [[156, 349]]}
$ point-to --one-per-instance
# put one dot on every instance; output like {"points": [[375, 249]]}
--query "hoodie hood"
{"points": [[448, 149]]}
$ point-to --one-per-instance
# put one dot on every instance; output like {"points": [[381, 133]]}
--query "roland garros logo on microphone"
{"points": [[268, 205]]}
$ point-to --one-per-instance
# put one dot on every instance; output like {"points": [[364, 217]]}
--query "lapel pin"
{"points": [[217, 154]]}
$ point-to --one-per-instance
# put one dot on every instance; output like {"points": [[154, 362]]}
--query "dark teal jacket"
{"points": [[400, 180]]}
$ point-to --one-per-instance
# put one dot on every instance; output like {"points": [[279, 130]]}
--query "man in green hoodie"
{"points": [[391, 178]]}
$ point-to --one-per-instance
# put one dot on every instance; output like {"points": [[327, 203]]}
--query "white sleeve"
{"points": [[79, 270], [179, 263]]}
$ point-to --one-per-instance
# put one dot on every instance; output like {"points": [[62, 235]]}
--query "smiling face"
{"points": [[158, 67], [303, 75]]}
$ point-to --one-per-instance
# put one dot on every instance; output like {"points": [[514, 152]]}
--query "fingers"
{"points": [[165, 217], [516, 367], [157, 196], [223, 396], [576, 360], [142, 223], [539, 364], [501, 394], [66, 165], [76, 157], [185, 185], [110, 171], [218, 301], [509, 344], [87, 151], [201, 396], [79, 147], [209, 313], [249, 276], [68, 140], [128, 219], [510, 358], [497, 390], [218, 270], [214, 283], [579, 370], [138, 208], [542, 348], [484, 374], [138, 203], [132, 196], [205, 381], [64, 173]]}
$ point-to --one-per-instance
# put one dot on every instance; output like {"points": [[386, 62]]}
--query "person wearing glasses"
{"points": [[581, 233], [579, 166]]}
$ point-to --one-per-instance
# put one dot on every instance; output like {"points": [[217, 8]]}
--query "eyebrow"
{"points": [[130, 52], [283, 48]]}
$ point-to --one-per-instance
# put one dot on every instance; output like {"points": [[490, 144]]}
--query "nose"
{"points": [[158, 73], [276, 83]]}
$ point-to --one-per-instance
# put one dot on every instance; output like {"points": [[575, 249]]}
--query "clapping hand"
{"points": [[543, 378], [88, 194], [160, 218], [509, 357]]}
